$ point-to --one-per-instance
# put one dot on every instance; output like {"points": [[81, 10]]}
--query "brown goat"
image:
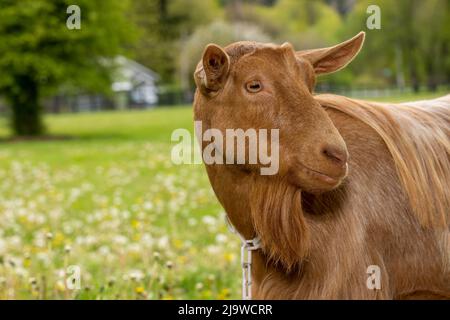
{"points": [[359, 183]]}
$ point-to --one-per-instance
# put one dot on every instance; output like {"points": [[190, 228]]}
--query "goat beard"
{"points": [[279, 221]]}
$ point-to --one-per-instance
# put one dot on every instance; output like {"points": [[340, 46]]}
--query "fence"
{"points": [[372, 93], [175, 96]]}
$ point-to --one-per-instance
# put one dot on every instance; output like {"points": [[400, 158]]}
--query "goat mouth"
{"points": [[323, 177]]}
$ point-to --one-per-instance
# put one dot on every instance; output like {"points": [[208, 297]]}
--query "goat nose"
{"points": [[336, 154]]}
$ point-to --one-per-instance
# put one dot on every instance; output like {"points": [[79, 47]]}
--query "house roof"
{"points": [[130, 74]]}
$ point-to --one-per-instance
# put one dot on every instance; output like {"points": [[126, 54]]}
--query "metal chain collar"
{"points": [[246, 260]]}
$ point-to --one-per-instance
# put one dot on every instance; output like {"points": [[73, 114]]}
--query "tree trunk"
{"points": [[432, 84], [163, 9], [414, 77], [431, 60], [26, 109], [399, 74]]}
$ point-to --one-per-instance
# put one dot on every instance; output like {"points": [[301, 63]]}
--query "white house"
{"points": [[134, 84]]}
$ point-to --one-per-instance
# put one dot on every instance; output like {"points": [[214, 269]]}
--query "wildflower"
{"points": [[209, 220], [199, 286], [178, 244], [221, 238], [104, 250], [58, 239], [229, 257], [156, 255], [60, 286], [27, 260], [163, 242], [135, 224], [120, 240], [136, 275], [223, 294], [139, 290], [148, 205], [206, 294], [213, 249], [32, 281], [67, 249], [181, 259]]}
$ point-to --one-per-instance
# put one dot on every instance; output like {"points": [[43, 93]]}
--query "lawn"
{"points": [[107, 200]]}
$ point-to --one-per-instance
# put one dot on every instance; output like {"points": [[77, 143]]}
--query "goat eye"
{"points": [[253, 86]]}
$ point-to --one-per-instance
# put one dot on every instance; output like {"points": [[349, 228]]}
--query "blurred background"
{"points": [[86, 116]]}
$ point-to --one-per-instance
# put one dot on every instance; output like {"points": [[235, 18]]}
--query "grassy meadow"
{"points": [[107, 199]]}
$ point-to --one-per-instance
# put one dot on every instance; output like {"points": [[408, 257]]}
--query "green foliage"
{"points": [[306, 24], [163, 26], [39, 54], [411, 46], [35, 40]]}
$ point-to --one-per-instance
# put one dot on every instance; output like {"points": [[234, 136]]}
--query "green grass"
{"points": [[109, 200], [156, 124]]}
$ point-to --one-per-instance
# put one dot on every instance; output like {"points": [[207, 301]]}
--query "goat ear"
{"points": [[212, 71], [327, 60]]}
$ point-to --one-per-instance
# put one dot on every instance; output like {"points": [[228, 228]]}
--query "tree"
{"points": [[39, 53], [306, 24], [162, 24], [413, 41]]}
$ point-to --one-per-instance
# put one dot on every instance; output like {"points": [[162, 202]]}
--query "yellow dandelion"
{"points": [[23, 219], [181, 259], [223, 294], [135, 224], [206, 294], [58, 239], [177, 243], [60, 286], [136, 237], [27, 263], [229, 257], [139, 290]]}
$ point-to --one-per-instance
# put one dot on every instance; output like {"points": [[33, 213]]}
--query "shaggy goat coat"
{"points": [[391, 211]]}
